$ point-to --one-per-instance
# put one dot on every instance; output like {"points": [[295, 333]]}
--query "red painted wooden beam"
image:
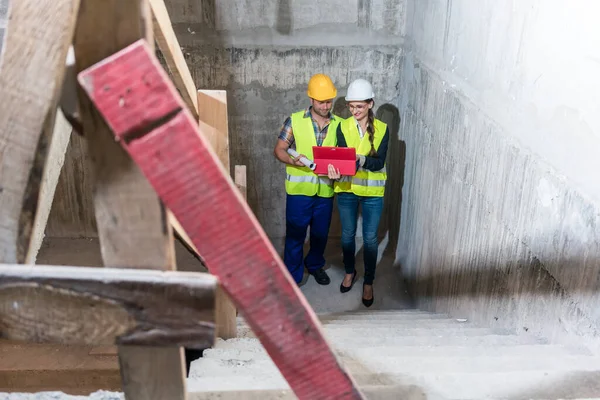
{"points": [[145, 112]]}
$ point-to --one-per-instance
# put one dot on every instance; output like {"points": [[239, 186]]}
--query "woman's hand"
{"points": [[332, 173]]}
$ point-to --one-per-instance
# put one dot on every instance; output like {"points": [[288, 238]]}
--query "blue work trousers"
{"points": [[300, 213]]}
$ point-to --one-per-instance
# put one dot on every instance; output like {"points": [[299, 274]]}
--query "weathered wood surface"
{"points": [[213, 122], [72, 213], [60, 134], [132, 222], [30, 367], [151, 121], [82, 305], [38, 36], [171, 51], [130, 218], [214, 125]]}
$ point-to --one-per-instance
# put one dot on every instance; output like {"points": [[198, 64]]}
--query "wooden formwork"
{"points": [[137, 211], [29, 115]]}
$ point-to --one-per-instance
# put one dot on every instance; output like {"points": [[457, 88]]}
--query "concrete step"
{"points": [[384, 392], [408, 352], [397, 315], [373, 315], [231, 365], [514, 385], [407, 341], [391, 331], [420, 323]]}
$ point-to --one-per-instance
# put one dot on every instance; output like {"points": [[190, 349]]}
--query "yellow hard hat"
{"points": [[321, 88]]}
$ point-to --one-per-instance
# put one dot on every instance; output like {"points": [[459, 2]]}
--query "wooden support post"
{"points": [[78, 305], [212, 116], [60, 134], [214, 125], [169, 47], [150, 121], [31, 75], [132, 224]]}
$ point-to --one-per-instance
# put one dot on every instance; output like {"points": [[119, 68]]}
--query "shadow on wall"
{"points": [[395, 163], [284, 17], [523, 295]]}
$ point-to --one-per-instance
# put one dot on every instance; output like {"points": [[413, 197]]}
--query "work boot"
{"points": [[321, 277]]}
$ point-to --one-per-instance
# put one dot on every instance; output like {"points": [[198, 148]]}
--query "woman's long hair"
{"points": [[371, 129]]}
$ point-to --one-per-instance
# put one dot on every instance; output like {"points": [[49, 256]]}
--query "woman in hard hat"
{"points": [[369, 136]]}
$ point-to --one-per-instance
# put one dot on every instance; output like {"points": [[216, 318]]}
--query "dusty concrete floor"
{"points": [[389, 290]]}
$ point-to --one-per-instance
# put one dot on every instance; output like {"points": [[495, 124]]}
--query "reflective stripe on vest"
{"points": [[364, 182], [310, 179], [301, 180]]}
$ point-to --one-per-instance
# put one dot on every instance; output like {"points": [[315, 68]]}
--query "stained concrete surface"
{"points": [[501, 209]]}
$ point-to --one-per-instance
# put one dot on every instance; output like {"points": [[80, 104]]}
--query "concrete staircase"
{"points": [[409, 355]]}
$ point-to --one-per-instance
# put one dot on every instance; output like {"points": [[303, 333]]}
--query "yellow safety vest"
{"points": [[364, 182], [301, 180]]}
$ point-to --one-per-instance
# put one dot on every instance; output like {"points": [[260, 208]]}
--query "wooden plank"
{"points": [[226, 315], [60, 133], [132, 223], [83, 305], [72, 214], [130, 219], [30, 367], [33, 63], [213, 121], [225, 311], [171, 51], [212, 111], [151, 122]]}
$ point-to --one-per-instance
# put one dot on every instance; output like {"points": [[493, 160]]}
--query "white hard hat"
{"points": [[358, 90]]}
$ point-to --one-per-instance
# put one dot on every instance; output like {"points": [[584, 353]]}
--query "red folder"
{"points": [[342, 158]]}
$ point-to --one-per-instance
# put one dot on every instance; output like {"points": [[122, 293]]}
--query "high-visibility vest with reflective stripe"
{"points": [[301, 180], [364, 182]]}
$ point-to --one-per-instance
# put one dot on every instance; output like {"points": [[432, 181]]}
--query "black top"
{"points": [[371, 163]]}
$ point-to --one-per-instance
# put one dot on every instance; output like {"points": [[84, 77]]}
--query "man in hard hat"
{"points": [[309, 199]]}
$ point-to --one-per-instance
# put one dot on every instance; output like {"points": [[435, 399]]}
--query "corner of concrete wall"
{"points": [[501, 217]]}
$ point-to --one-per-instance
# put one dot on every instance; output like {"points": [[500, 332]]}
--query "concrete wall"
{"points": [[264, 51], [501, 210]]}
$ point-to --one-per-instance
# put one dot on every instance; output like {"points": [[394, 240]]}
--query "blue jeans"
{"points": [[300, 213], [371, 213]]}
